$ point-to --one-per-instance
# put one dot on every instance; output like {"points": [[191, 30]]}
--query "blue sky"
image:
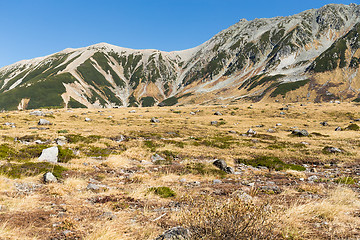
{"points": [[34, 28]]}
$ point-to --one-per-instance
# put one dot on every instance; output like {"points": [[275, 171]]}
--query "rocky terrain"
{"points": [[242, 171], [311, 56]]}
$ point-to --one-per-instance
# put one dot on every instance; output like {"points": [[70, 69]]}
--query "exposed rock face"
{"points": [[258, 59]]}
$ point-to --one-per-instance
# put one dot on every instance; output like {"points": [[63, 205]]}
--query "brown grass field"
{"points": [[295, 189]]}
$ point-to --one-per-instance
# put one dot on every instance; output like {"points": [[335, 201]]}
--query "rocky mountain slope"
{"points": [[311, 56]]}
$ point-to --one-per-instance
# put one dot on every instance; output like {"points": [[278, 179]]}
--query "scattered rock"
{"points": [[213, 122], [278, 124], [176, 233], [217, 181], [221, 164], [132, 111], [332, 150], [270, 130], [49, 178], [157, 157], [88, 120], [61, 141], [37, 113], [92, 187], [218, 113], [312, 178], [324, 124], [107, 216], [44, 122], [338, 129], [154, 120], [242, 195], [192, 113], [251, 132], [49, 155], [300, 133]]}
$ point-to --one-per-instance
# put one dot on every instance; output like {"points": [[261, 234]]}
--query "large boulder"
{"points": [[49, 155]]}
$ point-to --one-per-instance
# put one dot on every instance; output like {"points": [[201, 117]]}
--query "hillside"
{"points": [[311, 56]]}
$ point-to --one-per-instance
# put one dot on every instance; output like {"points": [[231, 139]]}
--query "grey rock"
{"points": [[61, 140], [213, 122], [221, 164], [218, 113], [300, 133], [217, 181], [88, 120], [44, 122], [252, 132], [338, 129], [49, 178], [270, 130], [157, 157], [176, 233], [324, 124], [154, 120], [312, 178], [37, 113], [278, 124], [49, 154], [132, 111], [332, 150], [192, 113], [93, 187]]}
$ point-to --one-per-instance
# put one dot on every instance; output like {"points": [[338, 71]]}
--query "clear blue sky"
{"points": [[34, 28]]}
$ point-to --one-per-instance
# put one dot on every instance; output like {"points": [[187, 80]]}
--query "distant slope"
{"points": [[311, 56]]}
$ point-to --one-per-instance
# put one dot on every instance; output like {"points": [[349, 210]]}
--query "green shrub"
{"points": [[75, 138], [31, 169], [346, 180], [353, 127], [282, 89], [163, 192], [204, 169], [65, 154]]}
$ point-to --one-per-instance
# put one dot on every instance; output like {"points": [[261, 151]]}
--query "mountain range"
{"points": [[311, 56]]}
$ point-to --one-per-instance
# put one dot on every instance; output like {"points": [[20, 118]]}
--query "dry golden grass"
{"points": [[189, 144]]}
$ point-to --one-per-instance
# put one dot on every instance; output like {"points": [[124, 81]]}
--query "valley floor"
{"points": [[122, 176]]}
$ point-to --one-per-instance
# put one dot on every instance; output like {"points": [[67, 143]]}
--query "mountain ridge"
{"points": [[249, 60]]}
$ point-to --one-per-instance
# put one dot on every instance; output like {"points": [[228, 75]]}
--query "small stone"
{"points": [[88, 120], [217, 181], [183, 180], [49, 178], [312, 178], [132, 111], [270, 130], [155, 120], [44, 122], [176, 233], [192, 113], [213, 122], [157, 157], [300, 133], [37, 113], [338, 129], [278, 124], [218, 113], [92, 186], [324, 124], [251, 132]]}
